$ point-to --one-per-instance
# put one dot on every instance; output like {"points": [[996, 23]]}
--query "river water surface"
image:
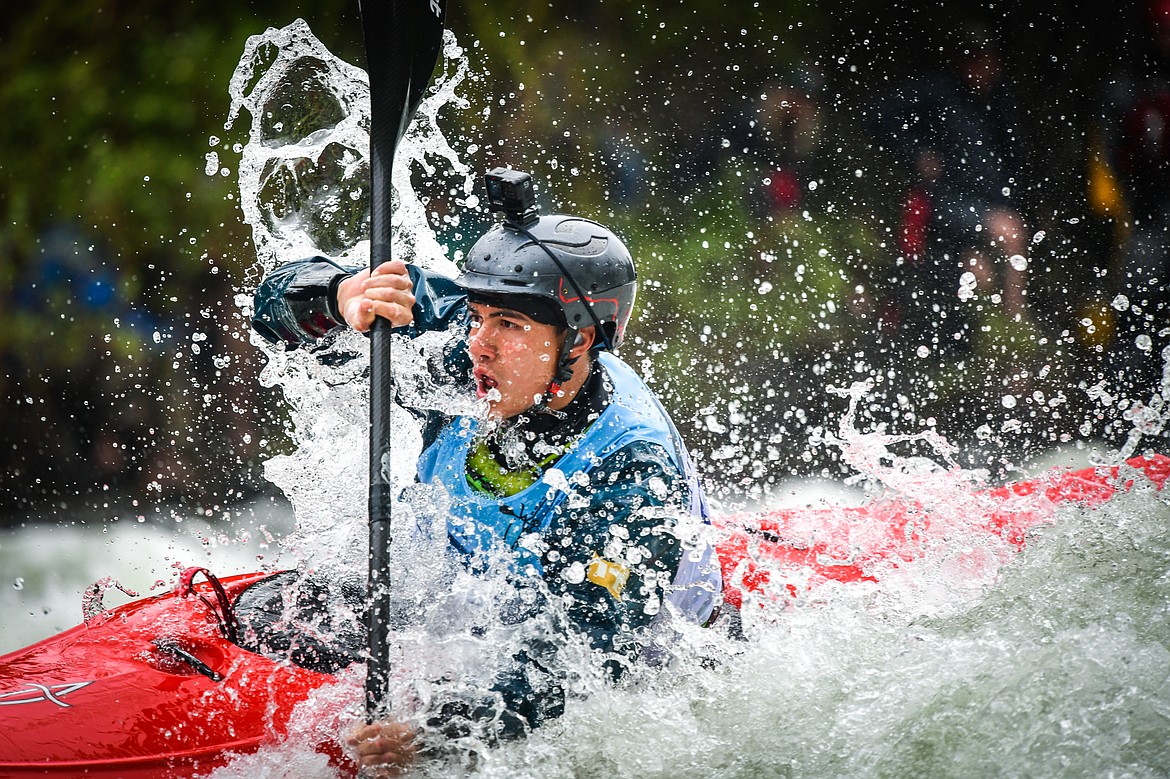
{"points": [[972, 660], [1053, 664]]}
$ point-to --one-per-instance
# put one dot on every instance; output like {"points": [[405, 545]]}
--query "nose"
{"points": [[479, 342]]}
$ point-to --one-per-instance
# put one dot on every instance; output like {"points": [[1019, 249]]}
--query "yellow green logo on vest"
{"points": [[611, 576]]}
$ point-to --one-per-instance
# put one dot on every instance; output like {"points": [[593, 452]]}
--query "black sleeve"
{"points": [[296, 304], [613, 556]]}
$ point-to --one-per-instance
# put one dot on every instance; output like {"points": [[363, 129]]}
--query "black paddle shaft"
{"points": [[402, 41]]}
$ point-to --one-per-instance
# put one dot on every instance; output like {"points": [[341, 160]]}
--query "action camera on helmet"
{"points": [[511, 191]]}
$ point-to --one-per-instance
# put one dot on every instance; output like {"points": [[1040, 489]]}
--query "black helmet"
{"points": [[578, 266]]}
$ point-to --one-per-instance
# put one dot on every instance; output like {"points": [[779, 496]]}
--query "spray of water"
{"points": [[1149, 419], [966, 658], [303, 177]]}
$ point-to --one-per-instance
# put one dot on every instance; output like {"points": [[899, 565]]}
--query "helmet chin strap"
{"points": [[563, 373]]}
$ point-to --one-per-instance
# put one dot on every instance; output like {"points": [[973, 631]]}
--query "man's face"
{"points": [[513, 358]]}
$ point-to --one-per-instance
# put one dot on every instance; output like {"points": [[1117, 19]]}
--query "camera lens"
{"points": [[495, 191]]}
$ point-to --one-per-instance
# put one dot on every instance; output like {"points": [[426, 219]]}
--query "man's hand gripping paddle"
{"points": [[402, 41]]}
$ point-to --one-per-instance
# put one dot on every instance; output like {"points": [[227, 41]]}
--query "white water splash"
{"points": [[935, 672], [304, 177], [91, 600], [304, 173], [1149, 419]]}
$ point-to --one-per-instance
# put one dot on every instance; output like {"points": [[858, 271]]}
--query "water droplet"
{"points": [[19, 583], [1008, 401], [765, 288], [1039, 236], [1144, 342], [1120, 303], [1018, 261], [967, 284], [923, 351]]}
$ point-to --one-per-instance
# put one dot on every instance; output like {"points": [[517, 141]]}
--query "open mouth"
{"points": [[486, 386]]}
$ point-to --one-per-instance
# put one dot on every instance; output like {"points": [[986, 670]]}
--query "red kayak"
{"points": [[158, 687], [177, 684], [850, 544]]}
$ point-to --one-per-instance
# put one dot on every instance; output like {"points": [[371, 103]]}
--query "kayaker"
{"points": [[576, 471]]}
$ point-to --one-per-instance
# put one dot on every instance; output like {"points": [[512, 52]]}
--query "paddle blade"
{"points": [[402, 39]]}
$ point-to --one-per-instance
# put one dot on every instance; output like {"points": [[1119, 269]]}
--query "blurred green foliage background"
{"points": [[126, 367]]}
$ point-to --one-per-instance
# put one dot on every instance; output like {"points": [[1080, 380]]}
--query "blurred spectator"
{"points": [[783, 137], [1129, 179], [961, 234], [625, 164], [83, 357]]}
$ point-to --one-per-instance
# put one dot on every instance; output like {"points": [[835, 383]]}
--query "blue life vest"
{"points": [[478, 522]]}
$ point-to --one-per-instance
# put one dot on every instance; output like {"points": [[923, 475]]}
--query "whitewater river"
{"points": [[1053, 663], [972, 660], [49, 567]]}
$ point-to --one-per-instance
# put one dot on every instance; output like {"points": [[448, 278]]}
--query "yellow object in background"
{"points": [[1096, 323], [1103, 189]]}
